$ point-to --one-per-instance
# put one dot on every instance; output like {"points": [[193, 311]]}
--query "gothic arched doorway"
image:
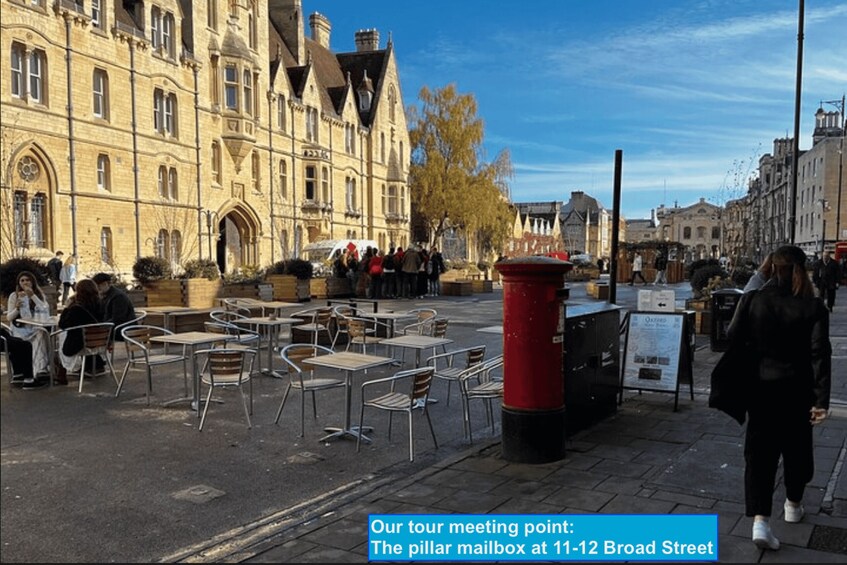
{"points": [[238, 240]]}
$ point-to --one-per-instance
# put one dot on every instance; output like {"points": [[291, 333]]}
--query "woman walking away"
{"points": [[68, 277], [786, 328]]}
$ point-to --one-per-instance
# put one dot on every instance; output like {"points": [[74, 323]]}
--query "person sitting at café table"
{"points": [[116, 304], [82, 309], [20, 357], [28, 302]]}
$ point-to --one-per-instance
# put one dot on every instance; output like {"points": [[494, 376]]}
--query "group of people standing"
{"points": [[411, 273], [95, 300]]}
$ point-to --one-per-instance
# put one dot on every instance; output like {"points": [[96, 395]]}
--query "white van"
{"points": [[320, 253]]}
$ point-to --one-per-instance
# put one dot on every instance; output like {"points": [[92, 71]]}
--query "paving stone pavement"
{"points": [[645, 459]]}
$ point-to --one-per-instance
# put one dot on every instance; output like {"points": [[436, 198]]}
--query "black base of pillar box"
{"points": [[532, 436]]}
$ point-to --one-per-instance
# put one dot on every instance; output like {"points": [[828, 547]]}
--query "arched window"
{"points": [[216, 163], [106, 250], [256, 171], [283, 179], [163, 181], [252, 29], [176, 248], [103, 172], [686, 232], [100, 94], [163, 242], [701, 232], [173, 185]]}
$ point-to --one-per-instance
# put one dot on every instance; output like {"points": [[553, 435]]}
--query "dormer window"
{"points": [[162, 31]]}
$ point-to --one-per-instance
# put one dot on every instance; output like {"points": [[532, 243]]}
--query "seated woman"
{"points": [[83, 308], [28, 302]]}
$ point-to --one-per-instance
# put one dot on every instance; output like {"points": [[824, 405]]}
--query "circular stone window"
{"points": [[28, 169]]}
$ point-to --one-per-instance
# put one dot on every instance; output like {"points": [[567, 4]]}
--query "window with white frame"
{"points": [[164, 112], [162, 31], [231, 87], [96, 14], [256, 171], [173, 184], [100, 94], [162, 181], [216, 162], [350, 139], [325, 185], [311, 180], [163, 243], [103, 172], [37, 72], [176, 248], [283, 179], [248, 93], [106, 250], [18, 69], [392, 200]]}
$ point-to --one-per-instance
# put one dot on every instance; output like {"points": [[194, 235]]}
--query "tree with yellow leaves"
{"points": [[451, 184]]}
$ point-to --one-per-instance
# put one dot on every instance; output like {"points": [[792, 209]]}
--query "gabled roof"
{"points": [[374, 62]]}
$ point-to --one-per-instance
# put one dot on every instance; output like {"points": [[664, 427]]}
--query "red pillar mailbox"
{"points": [[533, 413]]}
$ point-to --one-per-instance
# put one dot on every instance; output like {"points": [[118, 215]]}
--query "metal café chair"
{"points": [[450, 369], [302, 378], [477, 383], [414, 392], [96, 339], [227, 369], [144, 355]]}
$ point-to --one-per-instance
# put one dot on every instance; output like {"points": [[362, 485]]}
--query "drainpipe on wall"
{"points": [[135, 179], [71, 148], [197, 149], [271, 172], [297, 241]]}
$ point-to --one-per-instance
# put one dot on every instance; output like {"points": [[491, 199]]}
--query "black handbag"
{"points": [[734, 375]]}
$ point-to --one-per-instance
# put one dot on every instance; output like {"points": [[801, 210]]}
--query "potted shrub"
{"points": [[155, 275], [302, 271], [201, 283]]}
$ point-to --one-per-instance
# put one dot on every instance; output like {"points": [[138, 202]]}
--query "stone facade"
{"points": [[195, 130], [697, 227]]}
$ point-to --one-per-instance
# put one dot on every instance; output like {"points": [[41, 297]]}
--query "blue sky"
{"points": [[693, 92]]}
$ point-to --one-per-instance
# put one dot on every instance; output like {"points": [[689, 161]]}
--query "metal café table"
{"points": [[349, 362], [269, 327], [416, 342], [390, 318], [48, 324], [191, 341], [166, 312]]}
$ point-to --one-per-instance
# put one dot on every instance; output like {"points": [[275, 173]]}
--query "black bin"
{"points": [[724, 302]]}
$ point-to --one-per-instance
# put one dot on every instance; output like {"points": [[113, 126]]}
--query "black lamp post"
{"points": [[209, 215]]}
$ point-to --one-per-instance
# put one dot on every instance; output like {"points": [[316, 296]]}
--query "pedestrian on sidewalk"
{"points": [[786, 327], [637, 265], [68, 278], [826, 277], [661, 265]]}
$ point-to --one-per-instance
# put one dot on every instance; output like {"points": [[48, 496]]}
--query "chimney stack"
{"points": [[367, 40], [320, 29]]}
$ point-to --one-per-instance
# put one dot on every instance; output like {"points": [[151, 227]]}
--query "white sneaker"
{"points": [[793, 514], [763, 536]]}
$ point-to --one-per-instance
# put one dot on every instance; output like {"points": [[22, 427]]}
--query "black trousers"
{"points": [[778, 425], [20, 354], [639, 275]]}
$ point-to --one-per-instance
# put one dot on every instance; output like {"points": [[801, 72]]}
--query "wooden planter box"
{"points": [[457, 288], [317, 287], [697, 304], [201, 293], [597, 290], [703, 322], [164, 293], [260, 291], [289, 288], [482, 286], [138, 296], [338, 288]]}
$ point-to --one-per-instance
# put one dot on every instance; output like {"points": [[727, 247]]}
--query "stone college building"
{"points": [[212, 128]]}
